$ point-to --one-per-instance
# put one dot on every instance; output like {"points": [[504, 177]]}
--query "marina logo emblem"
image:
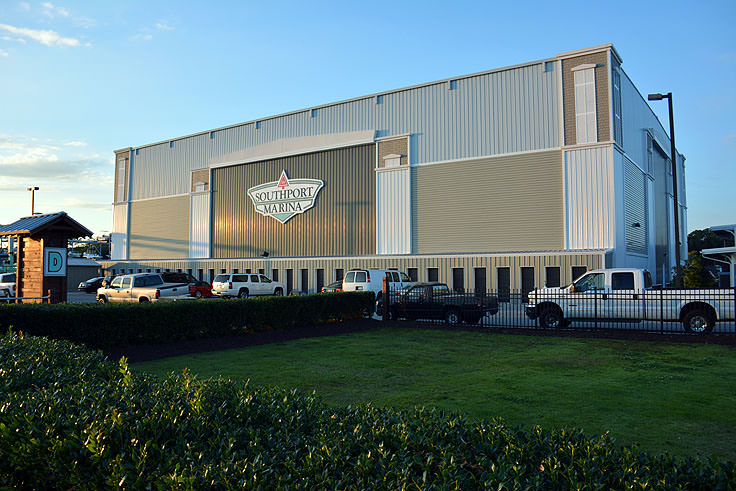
{"points": [[286, 197]]}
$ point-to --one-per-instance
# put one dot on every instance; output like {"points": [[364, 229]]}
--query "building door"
{"points": [[578, 271], [503, 280], [458, 280], [480, 280], [289, 280], [320, 279], [304, 280], [527, 283], [552, 276]]}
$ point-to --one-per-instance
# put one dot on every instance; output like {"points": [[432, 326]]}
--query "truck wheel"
{"points": [[243, 293], [551, 318], [698, 321], [278, 292], [452, 316], [102, 299], [143, 300]]}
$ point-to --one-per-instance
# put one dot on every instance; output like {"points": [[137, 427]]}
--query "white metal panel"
{"points": [[394, 211], [199, 228], [499, 112], [590, 199], [119, 235]]}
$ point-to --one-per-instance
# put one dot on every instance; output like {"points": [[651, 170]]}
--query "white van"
{"points": [[357, 280]]}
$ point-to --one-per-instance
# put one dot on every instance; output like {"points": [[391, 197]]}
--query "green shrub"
{"points": [[107, 325], [116, 429]]}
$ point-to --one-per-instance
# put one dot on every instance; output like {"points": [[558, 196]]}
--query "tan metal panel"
{"points": [[510, 203], [159, 228], [342, 222]]}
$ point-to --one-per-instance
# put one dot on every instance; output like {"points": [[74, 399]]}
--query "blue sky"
{"points": [[81, 79]]}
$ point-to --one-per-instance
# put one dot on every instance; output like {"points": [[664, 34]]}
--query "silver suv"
{"points": [[245, 285]]}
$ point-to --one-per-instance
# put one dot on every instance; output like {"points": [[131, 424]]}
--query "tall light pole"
{"points": [[673, 157], [33, 198]]}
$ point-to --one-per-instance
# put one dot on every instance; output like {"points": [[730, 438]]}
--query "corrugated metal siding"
{"points": [[199, 231], [159, 228], [119, 239], [343, 220], [590, 199], [394, 212], [635, 208], [507, 203], [444, 264], [502, 112]]}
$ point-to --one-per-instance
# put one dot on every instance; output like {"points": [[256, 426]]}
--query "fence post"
{"points": [[385, 295], [661, 310]]}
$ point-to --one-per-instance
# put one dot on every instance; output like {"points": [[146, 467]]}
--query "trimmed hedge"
{"points": [[101, 326], [113, 428]]}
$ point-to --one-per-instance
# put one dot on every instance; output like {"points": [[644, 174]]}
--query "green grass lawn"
{"points": [[679, 398]]}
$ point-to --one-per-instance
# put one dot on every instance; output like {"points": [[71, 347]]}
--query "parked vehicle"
{"points": [[91, 285], [200, 289], [434, 300], [140, 287], [335, 286], [245, 285], [7, 284], [625, 294], [372, 280]]}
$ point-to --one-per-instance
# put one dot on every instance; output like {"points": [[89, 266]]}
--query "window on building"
{"points": [[432, 274], [392, 161], [586, 124], [121, 180], [261, 271], [275, 274], [413, 274], [339, 274], [617, 123]]}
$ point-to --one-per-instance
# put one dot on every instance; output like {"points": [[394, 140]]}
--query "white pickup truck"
{"points": [[627, 295], [140, 287]]}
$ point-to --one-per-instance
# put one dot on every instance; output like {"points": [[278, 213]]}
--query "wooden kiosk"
{"points": [[42, 254]]}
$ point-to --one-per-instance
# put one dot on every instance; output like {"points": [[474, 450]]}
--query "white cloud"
{"points": [[75, 144], [50, 10], [3, 53], [15, 40], [729, 138], [48, 38], [25, 5], [163, 26], [142, 37]]}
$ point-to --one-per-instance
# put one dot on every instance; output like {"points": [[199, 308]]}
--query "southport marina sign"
{"points": [[285, 198]]}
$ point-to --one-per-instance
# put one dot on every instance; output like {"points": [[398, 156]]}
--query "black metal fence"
{"points": [[658, 310]]}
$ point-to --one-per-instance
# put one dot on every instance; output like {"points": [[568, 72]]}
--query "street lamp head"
{"points": [[655, 97], [34, 188]]}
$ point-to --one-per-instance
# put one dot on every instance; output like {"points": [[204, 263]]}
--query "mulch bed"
{"points": [[138, 353]]}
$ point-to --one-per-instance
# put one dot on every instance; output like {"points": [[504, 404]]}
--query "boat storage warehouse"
{"points": [[506, 179]]}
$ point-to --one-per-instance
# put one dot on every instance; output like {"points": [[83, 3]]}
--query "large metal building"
{"points": [[506, 179]]}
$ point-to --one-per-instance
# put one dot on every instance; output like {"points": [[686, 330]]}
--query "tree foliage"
{"points": [[693, 273]]}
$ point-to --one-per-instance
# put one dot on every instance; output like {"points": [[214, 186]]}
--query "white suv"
{"points": [[7, 284], [372, 280], [245, 285]]}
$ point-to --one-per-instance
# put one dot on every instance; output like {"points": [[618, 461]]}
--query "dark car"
{"points": [[335, 286], [91, 285], [434, 300]]}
